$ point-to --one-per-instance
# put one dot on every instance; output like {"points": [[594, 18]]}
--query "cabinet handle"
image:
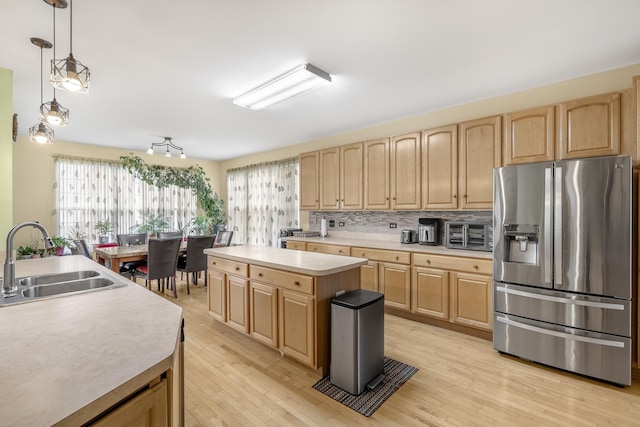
{"points": [[296, 283], [428, 261], [362, 253], [455, 196], [397, 258], [465, 196], [237, 268], [387, 198], [340, 251], [259, 274], [214, 263], [475, 267]]}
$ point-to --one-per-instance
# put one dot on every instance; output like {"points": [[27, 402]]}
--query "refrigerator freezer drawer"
{"points": [[602, 356], [593, 313]]}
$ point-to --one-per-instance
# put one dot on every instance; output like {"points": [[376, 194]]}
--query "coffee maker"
{"points": [[429, 231]]}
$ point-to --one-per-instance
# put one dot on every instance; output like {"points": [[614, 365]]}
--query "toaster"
{"points": [[408, 236]]}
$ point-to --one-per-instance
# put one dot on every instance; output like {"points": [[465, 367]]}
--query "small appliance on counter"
{"points": [[284, 233], [429, 231], [408, 236], [475, 236]]}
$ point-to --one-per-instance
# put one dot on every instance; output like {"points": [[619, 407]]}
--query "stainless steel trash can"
{"points": [[357, 340]]}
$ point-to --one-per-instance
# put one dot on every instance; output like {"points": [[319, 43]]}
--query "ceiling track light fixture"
{"points": [[301, 79], [168, 144], [68, 74], [41, 133], [52, 112]]}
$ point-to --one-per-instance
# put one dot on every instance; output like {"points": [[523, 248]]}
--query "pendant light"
{"points": [[52, 112], [41, 133], [69, 73]]}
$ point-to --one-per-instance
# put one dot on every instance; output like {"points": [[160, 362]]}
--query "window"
{"points": [[89, 191], [261, 200]]}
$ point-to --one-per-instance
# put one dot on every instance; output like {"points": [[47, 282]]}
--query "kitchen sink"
{"points": [[33, 288]]}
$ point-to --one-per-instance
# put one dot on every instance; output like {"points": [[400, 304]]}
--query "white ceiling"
{"points": [[171, 68]]}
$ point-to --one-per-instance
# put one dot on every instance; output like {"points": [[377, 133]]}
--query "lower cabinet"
{"points": [[455, 289], [147, 408], [297, 326], [395, 284], [369, 276], [263, 313], [228, 291], [237, 303]]}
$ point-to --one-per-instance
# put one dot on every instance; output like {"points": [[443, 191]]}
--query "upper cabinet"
{"points": [[589, 127], [329, 179], [309, 193], [480, 152], [376, 174], [341, 177], [405, 171], [530, 136], [440, 168]]}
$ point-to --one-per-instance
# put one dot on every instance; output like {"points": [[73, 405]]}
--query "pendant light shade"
{"points": [[68, 74], [54, 113], [41, 133]]}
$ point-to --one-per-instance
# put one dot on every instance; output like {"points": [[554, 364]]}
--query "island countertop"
{"points": [[310, 263], [65, 360]]}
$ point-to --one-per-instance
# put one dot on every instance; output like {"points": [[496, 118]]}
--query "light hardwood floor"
{"points": [[232, 380]]}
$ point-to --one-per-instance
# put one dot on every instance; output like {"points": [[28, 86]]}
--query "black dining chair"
{"points": [[162, 261], [82, 248], [223, 238], [131, 239], [195, 260], [167, 234]]}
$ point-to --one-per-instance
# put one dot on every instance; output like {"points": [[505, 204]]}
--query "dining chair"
{"points": [[162, 261], [131, 239], [167, 234], [82, 248], [223, 238], [195, 260]]}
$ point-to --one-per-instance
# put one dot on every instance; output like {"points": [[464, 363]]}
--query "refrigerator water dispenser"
{"points": [[522, 243]]}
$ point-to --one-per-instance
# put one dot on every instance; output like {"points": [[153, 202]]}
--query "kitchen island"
{"points": [[96, 356], [281, 298]]}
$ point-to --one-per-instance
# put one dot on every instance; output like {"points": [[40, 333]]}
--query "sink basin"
{"points": [[57, 278], [47, 290], [34, 288]]}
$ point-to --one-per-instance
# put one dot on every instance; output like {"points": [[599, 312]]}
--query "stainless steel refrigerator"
{"points": [[562, 264]]}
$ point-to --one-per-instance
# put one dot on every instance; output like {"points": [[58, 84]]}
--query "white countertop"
{"points": [[349, 239], [310, 263], [65, 360]]}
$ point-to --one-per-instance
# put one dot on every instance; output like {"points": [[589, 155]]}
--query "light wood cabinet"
{"points": [[589, 127], [309, 184], [264, 313], [456, 289], [351, 183], [530, 136], [480, 152], [330, 179], [405, 170], [228, 292], [217, 294], [296, 245], [238, 303], [297, 326], [148, 408], [395, 284], [440, 168], [328, 249], [376, 174], [369, 276]]}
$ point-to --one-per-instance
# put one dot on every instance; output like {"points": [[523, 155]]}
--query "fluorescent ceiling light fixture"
{"points": [[301, 79]]}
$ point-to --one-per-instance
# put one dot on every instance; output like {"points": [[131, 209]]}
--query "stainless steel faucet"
{"points": [[9, 284]]}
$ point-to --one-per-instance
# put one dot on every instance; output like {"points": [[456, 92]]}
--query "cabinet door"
{"points": [[217, 295], [238, 303], [395, 284], [149, 408], [369, 276], [472, 302], [329, 179], [589, 127], [430, 292], [440, 168], [530, 136], [264, 313], [376, 174], [480, 152], [297, 326], [300, 246], [309, 192], [405, 171], [351, 176]]}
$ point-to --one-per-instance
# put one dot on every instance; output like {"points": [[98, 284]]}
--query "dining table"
{"points": [[119, 254]]}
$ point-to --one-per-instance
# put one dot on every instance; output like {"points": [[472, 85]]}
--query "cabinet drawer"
{"points": [[294, 244], [471, 265], [381, 255], [283, 279], [228, 266], [328, 249]]}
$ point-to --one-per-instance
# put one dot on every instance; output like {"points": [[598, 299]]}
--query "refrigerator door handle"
{"points": [[547, 226], [557, 227], [563, 335], [561, 300]]}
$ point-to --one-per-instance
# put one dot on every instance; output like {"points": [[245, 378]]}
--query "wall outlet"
{"points": [[332, 223], [341, 224], [393, 225]]}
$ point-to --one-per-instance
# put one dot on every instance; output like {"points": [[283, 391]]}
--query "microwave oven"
{"points": [[476, 236]]}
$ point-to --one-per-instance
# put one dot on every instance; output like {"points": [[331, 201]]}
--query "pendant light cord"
{"points": [[71, 27], [53, 61], [41, 66]]}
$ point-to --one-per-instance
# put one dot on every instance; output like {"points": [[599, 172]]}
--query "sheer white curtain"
{"points": [[88, 191], [262, 199]]}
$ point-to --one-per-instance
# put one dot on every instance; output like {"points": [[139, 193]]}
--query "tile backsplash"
{"points": [[378, 221]]}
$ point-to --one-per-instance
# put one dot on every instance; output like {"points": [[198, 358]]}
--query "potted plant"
{"points": [[201, 225], [152, 224], [60, 244], [103, 227], [25, 252]]}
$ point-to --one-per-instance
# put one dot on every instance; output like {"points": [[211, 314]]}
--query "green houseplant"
{"points": [[192, 177], [152, 224], [59, 245], [25, 252], [103, 227]]}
